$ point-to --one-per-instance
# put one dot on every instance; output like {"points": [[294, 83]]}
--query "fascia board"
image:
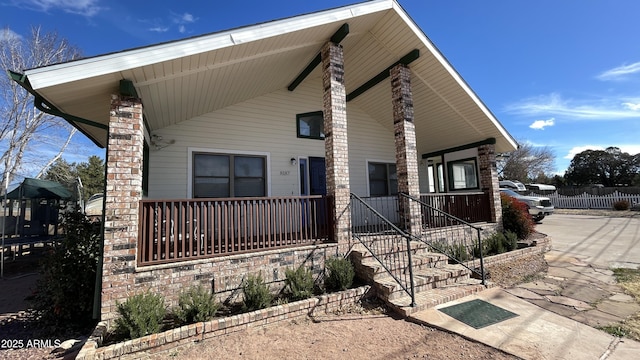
{"points": [[129, 59]]}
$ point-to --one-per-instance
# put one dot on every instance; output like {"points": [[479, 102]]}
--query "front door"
{"points": [[317, 176], [318, 186]]}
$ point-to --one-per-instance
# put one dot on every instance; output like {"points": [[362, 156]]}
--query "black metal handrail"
{"points": [[451, 236], [384, 241]]}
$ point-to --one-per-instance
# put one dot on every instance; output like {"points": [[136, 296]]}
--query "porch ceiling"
{"points": [[183, 79]]}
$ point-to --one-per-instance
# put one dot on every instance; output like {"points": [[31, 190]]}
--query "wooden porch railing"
{"points": [[188, 229], [470, 207]]}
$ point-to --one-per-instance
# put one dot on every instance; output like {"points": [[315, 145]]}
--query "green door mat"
{"points": [[478, 313]]}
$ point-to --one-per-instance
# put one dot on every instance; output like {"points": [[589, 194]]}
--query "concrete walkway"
{"points": [[557, 315]]}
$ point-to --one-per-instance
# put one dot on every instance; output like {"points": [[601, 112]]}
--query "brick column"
{"points": [[122, 196], [335, 142], [406, 153], [489, 180]]}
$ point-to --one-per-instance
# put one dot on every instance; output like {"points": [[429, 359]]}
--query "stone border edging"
{"points": [[169, 339]]}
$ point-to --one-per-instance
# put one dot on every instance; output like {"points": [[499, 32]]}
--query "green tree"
{"points": [[609, 167], [62, 172], [92, 175]]}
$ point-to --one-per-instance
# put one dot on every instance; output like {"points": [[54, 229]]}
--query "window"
{"points": [[463, 174], [227, 175], [310, 125], [383, 179]]}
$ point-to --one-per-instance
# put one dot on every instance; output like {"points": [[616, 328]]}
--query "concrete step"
{"points": [[437, 296], [424, 279], [370, 268], [359, 251]]}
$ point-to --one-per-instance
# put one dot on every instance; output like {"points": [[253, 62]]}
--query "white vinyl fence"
{"points": [[588, 201]]}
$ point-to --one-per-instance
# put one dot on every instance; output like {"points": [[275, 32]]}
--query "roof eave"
{"points": [[111, 63]]}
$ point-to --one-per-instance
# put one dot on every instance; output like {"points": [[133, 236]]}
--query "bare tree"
{"points": [[526, 163], [27, 135]]}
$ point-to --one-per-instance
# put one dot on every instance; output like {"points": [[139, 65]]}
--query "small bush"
{"points": [[256, 293], [621, 205], [498, 243], [339, 274], [299, 283], [511, 240], [458, 252], [196, 305], [494, 244], [515, 217], [140, 315]]}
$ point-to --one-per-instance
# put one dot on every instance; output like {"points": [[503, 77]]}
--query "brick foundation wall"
{"points": [[224, 275]]}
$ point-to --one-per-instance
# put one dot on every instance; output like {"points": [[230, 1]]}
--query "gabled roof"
{"points": [[183, 79]]}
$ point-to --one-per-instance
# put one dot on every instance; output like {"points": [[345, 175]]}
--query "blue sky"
{"points": [[562, 74]]}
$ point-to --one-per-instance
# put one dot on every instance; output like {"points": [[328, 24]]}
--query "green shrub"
{"points": [[498, 243], [339, 274], [515, 217], [494, 244], [256, 293], [140, 315], [621, 205], [299, 283], [196, 305], [459, 252], [511, 240], [64, 293]]}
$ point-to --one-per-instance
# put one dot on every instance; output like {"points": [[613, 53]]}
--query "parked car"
{"points": [[541, 187], [538, 206], [512, 184]]}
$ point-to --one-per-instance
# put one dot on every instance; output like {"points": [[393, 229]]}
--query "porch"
{"points": [[176, 230]]}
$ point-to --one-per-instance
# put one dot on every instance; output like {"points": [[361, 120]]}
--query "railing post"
{"points": [[413, 287], [481, 257]]}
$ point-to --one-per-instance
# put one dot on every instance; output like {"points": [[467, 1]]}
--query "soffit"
{"points": [[192, 82]]}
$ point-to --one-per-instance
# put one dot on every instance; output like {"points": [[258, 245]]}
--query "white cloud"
{"points": [[541, 124], [632, 106], [182, 19], [602, 109], [620, 72], [80, 7], [8, 35], [578, 149], [187, 18], [159, 29], [628, 148]]}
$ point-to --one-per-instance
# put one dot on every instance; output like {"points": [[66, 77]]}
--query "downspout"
{"points": [[97, 290]]}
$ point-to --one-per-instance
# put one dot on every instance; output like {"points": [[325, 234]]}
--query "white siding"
{"points": [[266, 124]]}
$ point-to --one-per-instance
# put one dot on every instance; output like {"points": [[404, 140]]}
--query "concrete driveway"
{"points": [[605, 242], [558, 315]]}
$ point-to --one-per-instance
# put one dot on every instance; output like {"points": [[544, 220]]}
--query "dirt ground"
{"points": [[345, 336]]}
